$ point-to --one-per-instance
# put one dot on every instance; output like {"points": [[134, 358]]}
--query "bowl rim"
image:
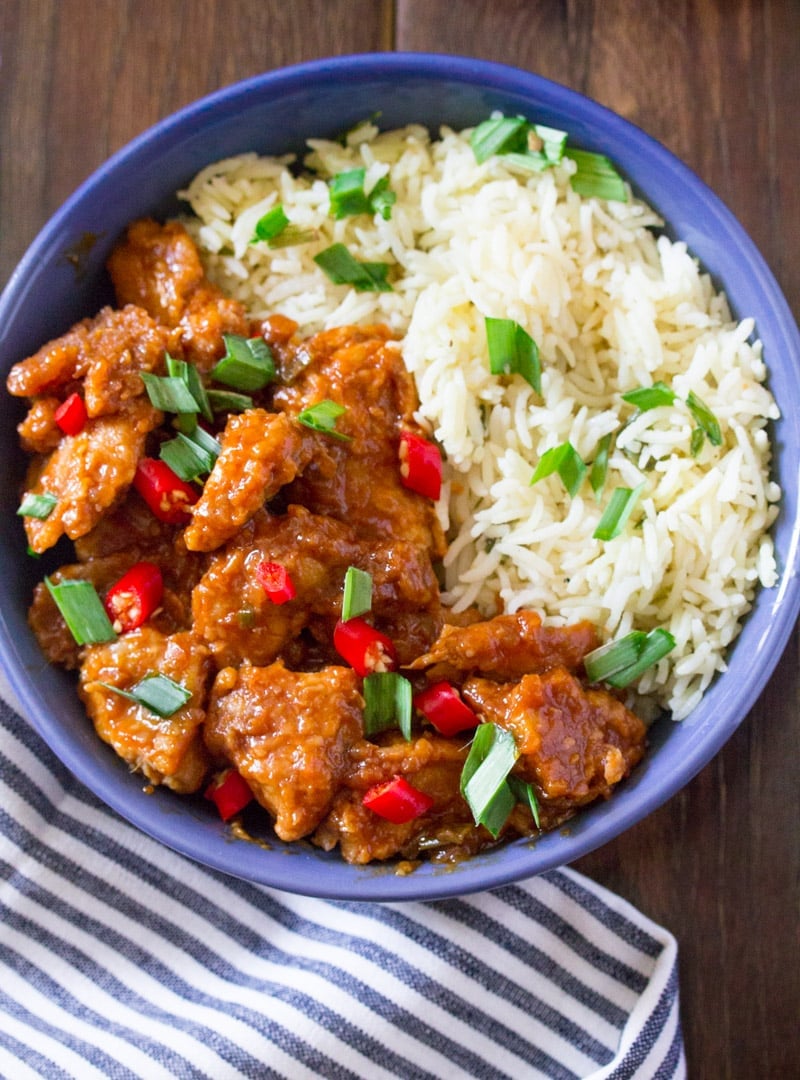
{"points": [[494, 869]]}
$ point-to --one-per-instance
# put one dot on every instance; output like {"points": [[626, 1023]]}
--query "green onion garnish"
{"points": [[599, 471], [499, 135], [596, 176], [38, 505], [484, 776], [696, 441], [564, 460], [621, 662], [524, 793], [357, 598], [169, 393], [82, 610], [387, 703], [545, 148], [513, 351], [157, 693], [342, 269], [619, 509], [323, 416], [228, 401], [189, 374], [191, 455], [275, 229], [246, 365], [650, 397], [704, 418], [348, 197], [270, 225]]}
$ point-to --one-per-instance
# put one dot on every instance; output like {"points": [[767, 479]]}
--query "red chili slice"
{"points": [[277, 584], [165, 493], [71, 414], [364, 648], [442, 704], [229, 792], [134, 598], [420, 465], [397, 801]]}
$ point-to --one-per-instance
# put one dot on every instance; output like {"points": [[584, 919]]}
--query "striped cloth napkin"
{"points": [[121, 959]]}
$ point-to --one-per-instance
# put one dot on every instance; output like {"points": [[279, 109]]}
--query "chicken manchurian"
{"points": [[225, 585]]}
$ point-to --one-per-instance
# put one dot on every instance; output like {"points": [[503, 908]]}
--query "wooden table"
{"points": [[719, 83]]}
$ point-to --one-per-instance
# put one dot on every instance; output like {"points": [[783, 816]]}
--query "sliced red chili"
{"points": [[276, 582], [71, 414], [229, 792], [420, 465], [134, 598], [364, 648], [442, 704], [165, 493], [397, 801]]}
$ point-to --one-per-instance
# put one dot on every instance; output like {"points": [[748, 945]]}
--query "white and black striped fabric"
{"points": [[121, 959]]}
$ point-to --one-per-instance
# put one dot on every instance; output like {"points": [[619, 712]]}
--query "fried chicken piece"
{"points": [[575, 743], [158, 267], [239, 622], [167, 751], [261, 452], [103, 356], [289, 734], [358, 478], [429, 763], [88, 472], [506, 647]]}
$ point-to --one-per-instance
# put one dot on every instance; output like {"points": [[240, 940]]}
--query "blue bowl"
{"points": [[275, 113]]}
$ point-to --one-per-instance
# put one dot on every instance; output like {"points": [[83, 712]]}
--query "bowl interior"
{"points": [[62, 279]]}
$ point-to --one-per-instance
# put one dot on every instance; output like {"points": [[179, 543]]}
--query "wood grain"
{"points": [[718, 82]]}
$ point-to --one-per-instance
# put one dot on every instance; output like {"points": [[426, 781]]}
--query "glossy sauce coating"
{"points": [[269, 695]]}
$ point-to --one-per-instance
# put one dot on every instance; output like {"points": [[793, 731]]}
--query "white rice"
{"points": [[613, 305]]}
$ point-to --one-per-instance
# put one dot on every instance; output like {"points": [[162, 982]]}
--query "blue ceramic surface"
{"points": [[275, 113]]}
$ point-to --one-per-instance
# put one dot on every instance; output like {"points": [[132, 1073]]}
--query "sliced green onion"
{"points": [[513, 351], [342, 269], [82, 610], [157, 693], [228, 401], [270, 225], [357, 598], [190, 456], [524, 793], [169, 393], [564, 460], [596, 176], [382, 199], [608, 660], [499, 135], [554, 142], [621, 662], [387, 703], [615, 515], [189, 374], [38, 505], [483, 777], [698, 437], [529, 161], [704, 418], [599, 471], [650, 397], [323, 416], [246, 365], [347, 196]]}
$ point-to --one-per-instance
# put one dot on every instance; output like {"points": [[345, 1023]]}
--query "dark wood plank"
{"points": [[80, 78], [716, 82]]}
